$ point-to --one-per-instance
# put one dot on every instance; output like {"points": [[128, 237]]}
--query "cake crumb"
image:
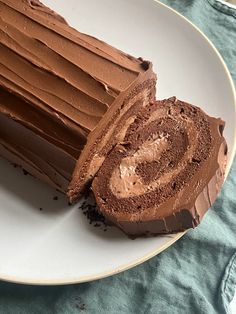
{"points": [[91, 212], [25, 172]]}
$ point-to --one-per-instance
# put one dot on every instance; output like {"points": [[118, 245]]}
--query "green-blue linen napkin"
{"points": [[198, 273]]}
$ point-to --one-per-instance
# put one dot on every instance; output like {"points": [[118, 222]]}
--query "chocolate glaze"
{"points": [[56, 84], [167, 171]]}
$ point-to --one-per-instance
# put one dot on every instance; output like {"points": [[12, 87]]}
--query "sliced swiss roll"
{"points": [[166, 173]]}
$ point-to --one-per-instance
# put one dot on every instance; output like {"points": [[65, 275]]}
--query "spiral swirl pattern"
{"points": [[169, 154]]}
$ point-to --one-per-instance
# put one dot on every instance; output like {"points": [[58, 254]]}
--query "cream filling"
{"points": [[125, 182]]}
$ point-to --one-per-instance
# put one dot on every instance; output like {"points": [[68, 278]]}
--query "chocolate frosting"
{"points": [[166, 172], [56, 83]]}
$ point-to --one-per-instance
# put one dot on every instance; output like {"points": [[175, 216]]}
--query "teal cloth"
{"points": [[197, 274]]}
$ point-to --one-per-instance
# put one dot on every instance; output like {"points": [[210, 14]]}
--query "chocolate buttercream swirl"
{"points": [[170, 153]]}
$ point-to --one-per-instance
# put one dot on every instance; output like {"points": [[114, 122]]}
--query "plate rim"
{"points": [[174, 237]]}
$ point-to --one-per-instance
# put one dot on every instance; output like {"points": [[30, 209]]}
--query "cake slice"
{"points": [[60, 90], [165, 173]]}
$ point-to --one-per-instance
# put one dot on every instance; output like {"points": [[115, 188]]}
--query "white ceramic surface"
{"points": [[57, 245]]}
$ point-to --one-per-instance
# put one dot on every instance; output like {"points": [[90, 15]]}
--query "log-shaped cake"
{"points": [[56, 85], [165, 173]]}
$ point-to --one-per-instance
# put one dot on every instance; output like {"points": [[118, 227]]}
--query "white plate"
{"points": [[57, 245]]}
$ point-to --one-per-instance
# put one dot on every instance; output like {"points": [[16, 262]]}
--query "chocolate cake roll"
{"points": [[57, 86], [165, 173]]}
